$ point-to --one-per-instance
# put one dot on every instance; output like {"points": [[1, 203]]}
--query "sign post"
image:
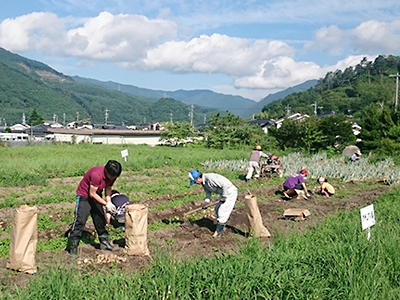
{"points": [[367, 219], [124, 153]]}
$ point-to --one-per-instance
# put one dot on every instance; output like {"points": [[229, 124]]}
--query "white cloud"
{"points": [[281, 72], [137, 42], [370, 37], [36, 31], [105, 37], [328, 39], [214, 54], [118, 38], [376, 36]]}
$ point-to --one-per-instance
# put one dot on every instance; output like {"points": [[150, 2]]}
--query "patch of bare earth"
{"points": [[189, 241]]}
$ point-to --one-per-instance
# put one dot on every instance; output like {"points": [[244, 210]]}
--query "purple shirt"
{"points": [[96, 177], [293, 180]]}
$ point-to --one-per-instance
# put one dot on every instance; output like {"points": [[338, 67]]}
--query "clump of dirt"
{"points": [[196, 240]]}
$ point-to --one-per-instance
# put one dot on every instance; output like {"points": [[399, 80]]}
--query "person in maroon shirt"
{"points": [[90, 200]]}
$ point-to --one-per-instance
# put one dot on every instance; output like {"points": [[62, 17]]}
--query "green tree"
{"points": [[379, 128], [287, 135], [338, 132], [231, 131], [35, 118], [310, 134], [177, 134]]}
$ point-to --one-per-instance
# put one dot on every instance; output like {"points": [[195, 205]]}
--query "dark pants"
{"points": [[84, 206], [115, 223]]}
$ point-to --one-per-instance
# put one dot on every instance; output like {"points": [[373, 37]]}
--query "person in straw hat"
{"points": [[254, 163]]}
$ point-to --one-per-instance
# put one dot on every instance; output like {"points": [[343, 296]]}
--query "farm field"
{"points": [[157, 177]]}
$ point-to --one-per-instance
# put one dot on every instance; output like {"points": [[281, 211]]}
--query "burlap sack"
{"points": [[136, 229], [24, 240], [256, 227]]}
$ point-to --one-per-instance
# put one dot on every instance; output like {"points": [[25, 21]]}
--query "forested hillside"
{"points": [[26, 84], [345, 92], [235, 104]]}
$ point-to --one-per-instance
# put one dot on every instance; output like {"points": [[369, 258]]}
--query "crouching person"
{"points": [[90, 200], [295, 182], [326, 188], [218, 184], [117, 219]]}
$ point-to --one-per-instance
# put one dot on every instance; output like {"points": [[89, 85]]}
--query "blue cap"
{"points": [[193, 176]]}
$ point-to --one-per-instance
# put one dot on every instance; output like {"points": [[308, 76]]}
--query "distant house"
{"points": [[37, 131], [19, 128], [80, 124], [53, 124], [265, 124], [294, 116], [105, 136]]}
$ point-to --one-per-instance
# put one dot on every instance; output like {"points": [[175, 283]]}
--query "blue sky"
{"points": [[249, 47]]}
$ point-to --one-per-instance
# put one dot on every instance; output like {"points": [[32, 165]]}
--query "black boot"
{"points": [[218, 231], [72, 247], [105, 243]]}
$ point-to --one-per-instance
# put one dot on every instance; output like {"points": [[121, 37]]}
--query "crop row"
{"points": [[320, 165]]}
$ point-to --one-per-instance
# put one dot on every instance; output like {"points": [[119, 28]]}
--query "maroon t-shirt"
{"points": [[96, 177]]}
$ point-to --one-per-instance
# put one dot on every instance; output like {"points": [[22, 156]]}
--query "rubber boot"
{"points": [[218, 231], [73, 246], [105, 243]]}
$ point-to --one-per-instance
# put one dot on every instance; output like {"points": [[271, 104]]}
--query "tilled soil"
{"points": [[196, 240]]}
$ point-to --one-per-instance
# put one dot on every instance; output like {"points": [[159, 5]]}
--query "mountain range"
{"points": [[237, 105], [27, 84]]}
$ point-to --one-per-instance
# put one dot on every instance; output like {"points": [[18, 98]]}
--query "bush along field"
{"points": [[327, 256]]}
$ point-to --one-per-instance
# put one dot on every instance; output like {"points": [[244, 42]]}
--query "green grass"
{"points": [[32, 165], [333, 261]]}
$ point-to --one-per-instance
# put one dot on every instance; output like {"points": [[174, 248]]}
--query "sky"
{"points": [[249, 48]]}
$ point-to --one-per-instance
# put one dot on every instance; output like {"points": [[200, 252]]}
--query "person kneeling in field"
{"points": [[295, 182], [326, 188], [117, 218], [218, 184]]}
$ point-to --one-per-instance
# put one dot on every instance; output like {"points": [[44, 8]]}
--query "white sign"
{"points": [[124, 153], [367, 216]]}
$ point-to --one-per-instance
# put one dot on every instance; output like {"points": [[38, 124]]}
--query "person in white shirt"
{"points": [[218, 184]]}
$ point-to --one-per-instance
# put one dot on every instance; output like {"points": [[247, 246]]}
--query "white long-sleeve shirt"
{"points": [[216, 183]]}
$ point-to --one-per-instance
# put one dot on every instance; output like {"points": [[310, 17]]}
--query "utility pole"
{"points": [[64, 119], [397, 90], [23, 119], [106, 117], [288, 110], [170, 117], [316, 107], [191, 115]]}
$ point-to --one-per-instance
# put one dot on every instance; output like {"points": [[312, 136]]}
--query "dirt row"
{"points": [[196, 240]]}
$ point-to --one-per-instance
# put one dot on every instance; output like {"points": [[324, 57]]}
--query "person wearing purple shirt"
{"points": [[295, 181], [90, 200]]}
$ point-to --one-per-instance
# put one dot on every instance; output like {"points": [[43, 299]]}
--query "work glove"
{"points": [[110, 208], [205, 203]]}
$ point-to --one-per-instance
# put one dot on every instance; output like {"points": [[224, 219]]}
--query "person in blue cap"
{"points": [[218, 184]]}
